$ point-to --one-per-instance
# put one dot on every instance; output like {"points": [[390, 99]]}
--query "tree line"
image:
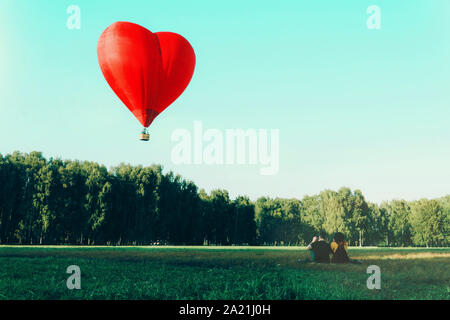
{"points": [[83, 203]]}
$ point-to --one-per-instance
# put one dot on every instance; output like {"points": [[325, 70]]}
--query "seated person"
{"points": [[320, 249], [339, 249]]}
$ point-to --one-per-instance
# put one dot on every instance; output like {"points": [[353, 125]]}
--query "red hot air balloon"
{"points": [[147, 71]]}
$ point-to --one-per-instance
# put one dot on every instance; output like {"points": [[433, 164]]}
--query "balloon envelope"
{"points": [[147, 71]]}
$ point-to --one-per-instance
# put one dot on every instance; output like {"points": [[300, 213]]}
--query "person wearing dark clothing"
{"points": [[339, 250], [320, 249]]}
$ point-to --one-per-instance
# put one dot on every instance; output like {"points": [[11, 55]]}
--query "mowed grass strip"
{"points": [[219, 273]]}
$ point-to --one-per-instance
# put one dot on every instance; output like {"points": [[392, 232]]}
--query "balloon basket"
{"points": [[144, 137]]}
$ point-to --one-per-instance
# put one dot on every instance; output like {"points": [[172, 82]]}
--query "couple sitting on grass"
{"points": [[320, 249]]}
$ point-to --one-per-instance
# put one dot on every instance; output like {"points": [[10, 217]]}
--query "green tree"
{"points": [[428, 222], [399, 226]]}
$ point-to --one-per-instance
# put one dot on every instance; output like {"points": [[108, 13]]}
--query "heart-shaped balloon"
{"points": [[147, 71]]}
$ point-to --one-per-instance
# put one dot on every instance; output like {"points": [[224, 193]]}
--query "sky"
{"points": [[364, 108]]}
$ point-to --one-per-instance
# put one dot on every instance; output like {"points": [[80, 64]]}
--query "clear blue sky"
{"points": [[367, 109]]}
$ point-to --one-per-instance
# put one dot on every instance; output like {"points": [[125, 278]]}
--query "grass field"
{"points": [[219, 273]]}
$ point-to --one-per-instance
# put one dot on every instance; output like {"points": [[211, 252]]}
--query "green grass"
{"points": [[219, 273]]}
